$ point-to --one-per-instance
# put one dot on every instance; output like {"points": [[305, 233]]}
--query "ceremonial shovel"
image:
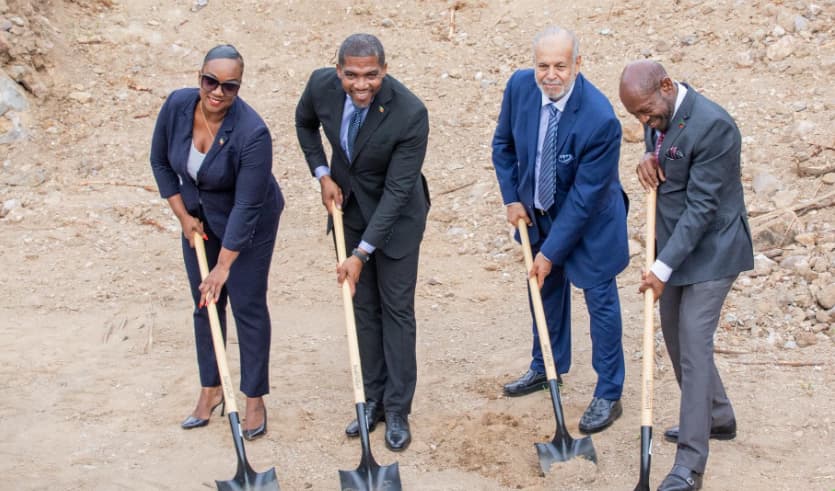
{"points": [[245, 478], [369, 476], [562, 447], [648, 365]]}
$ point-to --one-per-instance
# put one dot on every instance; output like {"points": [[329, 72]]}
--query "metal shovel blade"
{"points": [[369, 476], [646, 458], [562, 447], [245, 478]]}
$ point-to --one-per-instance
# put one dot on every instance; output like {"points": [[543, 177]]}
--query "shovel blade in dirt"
{"points": [[246, 479], [562, 447], [369, 476]]}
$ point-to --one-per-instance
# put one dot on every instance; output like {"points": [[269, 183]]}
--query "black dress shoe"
{"points": [[600, 414], [373, 415], [681, 479], [191, 422], [726, 432], [531, 381], [398, 435], [257, 432]]}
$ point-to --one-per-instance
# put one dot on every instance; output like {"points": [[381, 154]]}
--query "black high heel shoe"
{"points": [[257, 432], [191, 422]]}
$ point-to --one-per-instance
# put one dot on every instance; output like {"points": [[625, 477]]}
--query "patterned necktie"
{"points": [[547, 184], [353, 130], [658, 141]]}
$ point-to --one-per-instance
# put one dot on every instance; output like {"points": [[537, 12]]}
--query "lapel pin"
{"points": [[381, 109], [221, 141]]}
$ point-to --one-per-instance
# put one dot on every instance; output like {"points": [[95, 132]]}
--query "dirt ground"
{"points": [[98, 363]]}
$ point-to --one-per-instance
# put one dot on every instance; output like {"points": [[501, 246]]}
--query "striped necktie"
{"points": [[658, 141], [353, 130], [547, 184]]}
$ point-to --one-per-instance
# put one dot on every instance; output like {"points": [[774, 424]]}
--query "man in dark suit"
{"points": [[703, 241], [378, 131], [555, 151]]}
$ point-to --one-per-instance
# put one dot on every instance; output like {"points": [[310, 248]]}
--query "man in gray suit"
{"points": [[378, 132], [703, 242]]}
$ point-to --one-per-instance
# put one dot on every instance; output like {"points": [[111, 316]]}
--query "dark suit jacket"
{"points": [[588, 237], [385, 176], [235, 185], [701, 221]]}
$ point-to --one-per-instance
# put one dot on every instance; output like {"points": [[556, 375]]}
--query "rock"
{"points": [[801, 23], [790, 345], [745, 59], [795, 263], [829, 178], [765, 183], [784, 198], [806, 238], [387, 22], [633, 131], [826, 296], [805, 339], [8, 206], [778, 31], [802, 128], [780, 50], [11, 95], [763, 266], [825, 316], [80, 97], [662, 46]]}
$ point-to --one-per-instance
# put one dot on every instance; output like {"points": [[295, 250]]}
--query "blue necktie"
{"points": [[353, 130], [547, 185]]}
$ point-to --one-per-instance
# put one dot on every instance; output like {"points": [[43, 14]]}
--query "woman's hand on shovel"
{"points": [[213, 283]]}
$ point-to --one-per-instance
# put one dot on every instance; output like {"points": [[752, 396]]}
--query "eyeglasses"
{"points": [[209, 84]]}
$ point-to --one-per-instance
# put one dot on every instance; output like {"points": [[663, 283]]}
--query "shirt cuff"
{"points": [[661, 271], [322, 171], [367, 247]]}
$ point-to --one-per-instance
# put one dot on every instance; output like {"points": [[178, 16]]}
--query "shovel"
{"points": [[369, 476], [562, 447], [648, 365], [245, 478]]}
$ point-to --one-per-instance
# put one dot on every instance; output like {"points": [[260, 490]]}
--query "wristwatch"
{"points": [[361, 255]]}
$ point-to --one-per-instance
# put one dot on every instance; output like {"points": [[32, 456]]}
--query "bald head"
{"points": [[642, 76], [648, 93]]}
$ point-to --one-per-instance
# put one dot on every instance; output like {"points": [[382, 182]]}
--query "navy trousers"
{"points": [[246, 288]]}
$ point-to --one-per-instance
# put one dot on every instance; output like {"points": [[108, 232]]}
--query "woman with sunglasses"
{"points": [[212, 159]]}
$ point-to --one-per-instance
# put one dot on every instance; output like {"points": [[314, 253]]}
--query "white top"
{"points": [[195, 160]]}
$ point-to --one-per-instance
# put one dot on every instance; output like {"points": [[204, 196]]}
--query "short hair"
{"points": [[224, 52], [361, 45], [649, 75], [553, 31]]}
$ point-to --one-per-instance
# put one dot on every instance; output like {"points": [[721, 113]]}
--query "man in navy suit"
{"points": [[555, 151], [378, 131]]}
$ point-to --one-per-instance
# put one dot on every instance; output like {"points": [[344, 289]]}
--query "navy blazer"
{"points": [[235, 185], [588, 237]]}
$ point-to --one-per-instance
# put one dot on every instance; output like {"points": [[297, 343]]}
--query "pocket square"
{"points": [[675, 153], [565, 158]]}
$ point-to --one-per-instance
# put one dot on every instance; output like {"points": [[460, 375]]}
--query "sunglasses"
{"points": [[209, 84]]}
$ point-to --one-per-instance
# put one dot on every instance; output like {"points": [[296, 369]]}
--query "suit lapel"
{"points": [[222, 137], [377, 112], [677, 125], [569, 116], [533, 109]]}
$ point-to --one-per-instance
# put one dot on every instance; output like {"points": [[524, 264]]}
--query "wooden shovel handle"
{"points": [[538, 309], [648, 366], [348, 304], [217, 336]]}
